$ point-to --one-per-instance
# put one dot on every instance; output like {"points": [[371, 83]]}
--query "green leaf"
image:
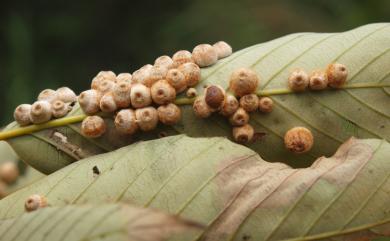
{"points": [[332, 115], [231, 189], [97, 222]]}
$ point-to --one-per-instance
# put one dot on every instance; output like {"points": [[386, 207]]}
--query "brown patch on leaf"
{"points": [[250, 184], [154, 225]]}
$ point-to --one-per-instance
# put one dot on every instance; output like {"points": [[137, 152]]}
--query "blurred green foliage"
{"points": [[48, 44]]}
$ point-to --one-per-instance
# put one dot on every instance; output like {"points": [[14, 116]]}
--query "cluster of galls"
{"points": [[143, 99], [243, 84], [335, 76], [50, 104], [9, 173]]}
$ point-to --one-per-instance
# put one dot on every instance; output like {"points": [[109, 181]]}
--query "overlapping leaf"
{"points": [[97, 222], [231, 189], [333, 116]]}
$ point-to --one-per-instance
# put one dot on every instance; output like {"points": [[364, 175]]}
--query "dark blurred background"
{"points": [[48, 44]]}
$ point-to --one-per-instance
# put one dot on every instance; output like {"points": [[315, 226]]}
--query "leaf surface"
{"points": [[108, 222], [231, 189], [333, 116]]}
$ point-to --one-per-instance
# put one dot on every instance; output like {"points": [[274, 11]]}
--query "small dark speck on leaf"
{"points": [[246, 237], [382, 126], [96, 170], [258, 136], [162, 134]]}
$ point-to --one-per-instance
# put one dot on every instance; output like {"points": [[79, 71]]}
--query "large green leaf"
{"points": [[332, 115], [97, 222], [231, 189]]}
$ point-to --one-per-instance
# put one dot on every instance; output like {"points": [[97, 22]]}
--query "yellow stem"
{"points": [[179, 101], [33, 128]]}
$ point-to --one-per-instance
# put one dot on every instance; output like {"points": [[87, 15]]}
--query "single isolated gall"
{"points": [[35, 202], [298, 80], [9, 172], [93, 126], [299, 140], [243, 81]]}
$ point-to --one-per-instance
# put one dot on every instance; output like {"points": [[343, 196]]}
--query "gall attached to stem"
{"points": [[177, 80], [298, 80], [337, 75], [60, 109], [162, 92], [140, 96], [243, 81], [200, 107], [121, 94], [230, 105], [124, 77], [191, 93], [214, 96], [126, 122], [93, 126], [223, 49], [107, 103], [169, 114], [243, 134], [181, 57], [147, 118], [239, 118], [164, 61], [41, 112], [66, 95], [318, 80], [191, 73], [141, 76], [299, 140], [100, 77], [266, 104], [22, 114], [204, 55], [249, 102], [89, 101], [48, 95]]}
